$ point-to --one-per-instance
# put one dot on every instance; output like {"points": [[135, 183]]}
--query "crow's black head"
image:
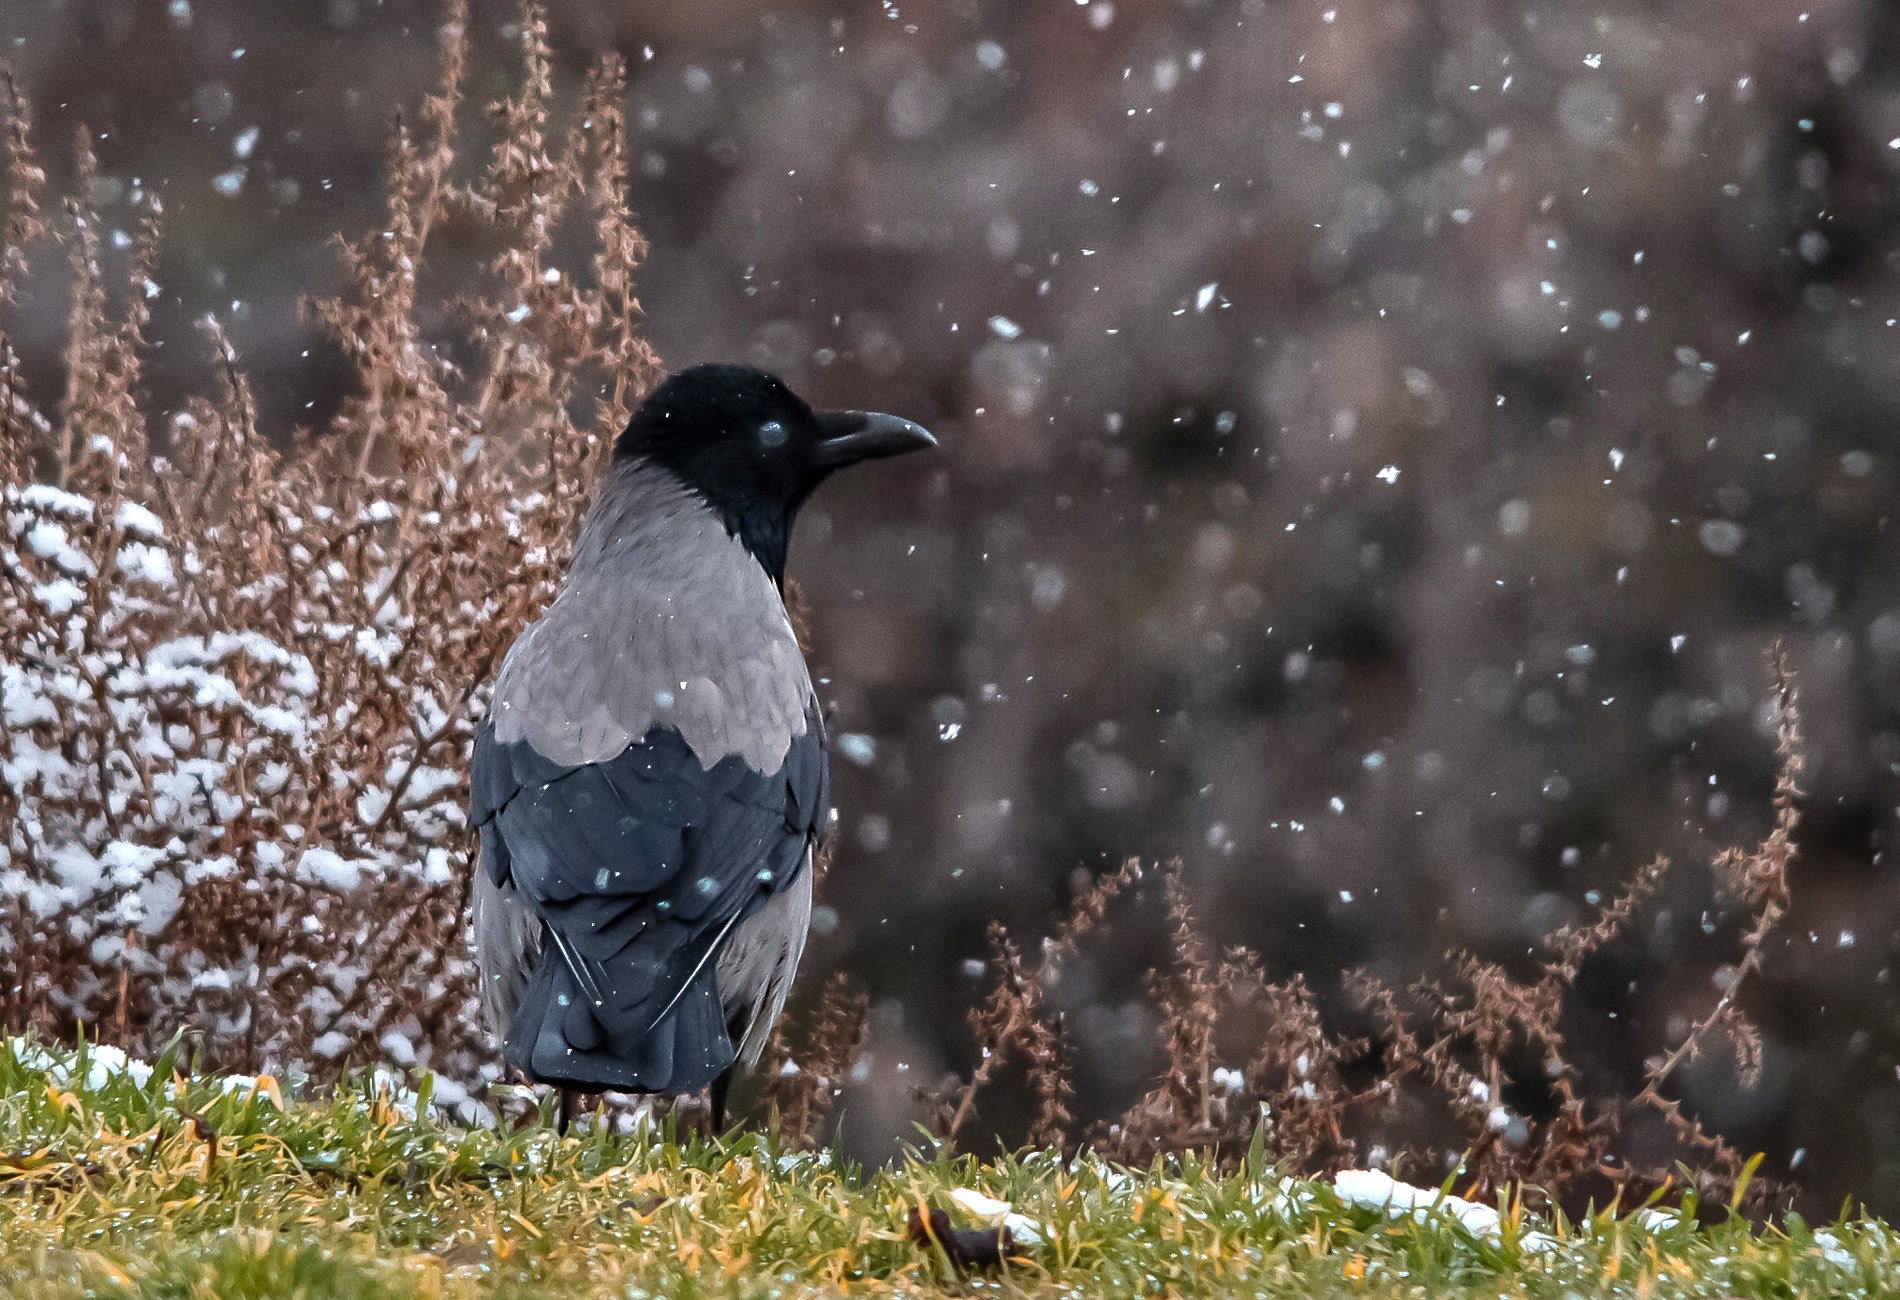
{"points": [[753, 449]]}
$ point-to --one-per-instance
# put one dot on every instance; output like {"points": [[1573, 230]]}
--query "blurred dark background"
{"points": [[1380, 440]]}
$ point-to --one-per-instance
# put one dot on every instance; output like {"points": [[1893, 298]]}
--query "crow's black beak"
{"points": [[852, 436]]}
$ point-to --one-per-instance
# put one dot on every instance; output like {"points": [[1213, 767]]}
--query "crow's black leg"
{"points": [[564, 1112], [716, 1099]]}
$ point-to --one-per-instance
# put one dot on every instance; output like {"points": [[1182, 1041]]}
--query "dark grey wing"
{"points": [[638, 866]]}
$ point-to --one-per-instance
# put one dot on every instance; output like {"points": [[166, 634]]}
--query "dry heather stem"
{"points": [[1573, 945], [999, 1021], [1011, 1017], [805, 1085], [23, 177], [1188, 997], [1760, 878]]}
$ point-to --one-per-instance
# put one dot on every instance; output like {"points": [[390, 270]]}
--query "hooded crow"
{"points": [[651, 779]]}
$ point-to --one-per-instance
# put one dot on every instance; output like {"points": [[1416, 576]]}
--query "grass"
{"points": [[167, 1186]]}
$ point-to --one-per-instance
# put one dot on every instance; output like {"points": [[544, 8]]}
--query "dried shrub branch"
{"points": [[807, 1081], [23, 177], [240, 683], [1759, 877]]}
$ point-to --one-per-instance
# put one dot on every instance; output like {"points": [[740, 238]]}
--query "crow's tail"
{"points": [[554, 1037]]}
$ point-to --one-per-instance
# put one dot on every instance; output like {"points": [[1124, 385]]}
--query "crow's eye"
{"points": [[772, 434]]}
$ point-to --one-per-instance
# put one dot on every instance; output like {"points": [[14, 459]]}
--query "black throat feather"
{"points": [[764, 528]]}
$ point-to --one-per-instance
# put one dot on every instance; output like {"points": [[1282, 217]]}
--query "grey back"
{"points": [[665, 619]]}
